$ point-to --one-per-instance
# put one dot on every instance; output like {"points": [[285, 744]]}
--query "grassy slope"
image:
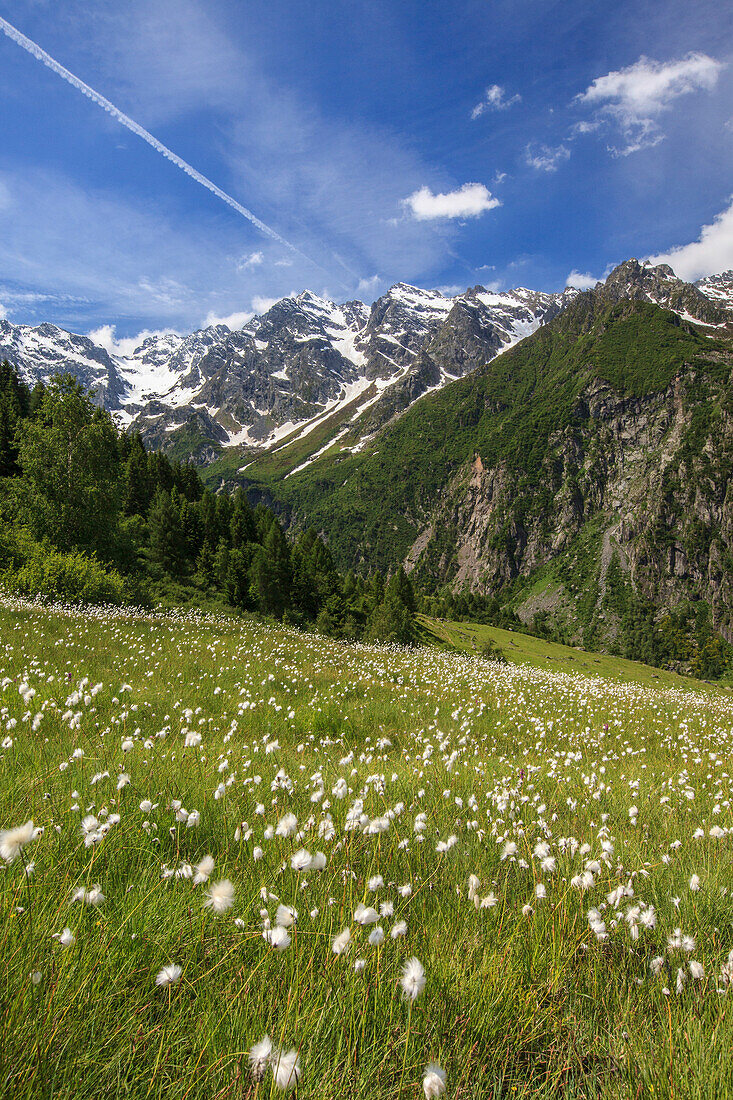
{"points": [[372, 502], [525, 649], [517, 1003]]}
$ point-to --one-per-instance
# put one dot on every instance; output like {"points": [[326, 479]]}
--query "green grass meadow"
{"points": [[551, 842]]}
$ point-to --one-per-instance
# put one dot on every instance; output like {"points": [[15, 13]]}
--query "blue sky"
{"points": [[502, 142]]}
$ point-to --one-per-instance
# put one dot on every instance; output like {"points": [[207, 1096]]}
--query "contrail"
{"points": [[134, 127]]}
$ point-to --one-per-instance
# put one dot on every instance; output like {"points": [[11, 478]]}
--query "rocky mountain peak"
{"points": [[662, 287]]}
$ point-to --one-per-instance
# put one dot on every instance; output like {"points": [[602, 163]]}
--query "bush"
{"points": [[490, 651], [73, 577]]}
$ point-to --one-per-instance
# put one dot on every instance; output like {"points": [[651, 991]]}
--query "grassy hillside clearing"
{"points": [[526, 649]]}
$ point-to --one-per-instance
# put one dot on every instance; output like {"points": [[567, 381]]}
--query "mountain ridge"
{"points": [[307, 358]]}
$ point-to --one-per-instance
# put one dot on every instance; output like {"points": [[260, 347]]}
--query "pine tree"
{"points": [[167, 544], [71, 489]]}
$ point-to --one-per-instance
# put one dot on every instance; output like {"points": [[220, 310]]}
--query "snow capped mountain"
{"points": [[309, 363], [46, 350], [719, 288], [660, 285]]}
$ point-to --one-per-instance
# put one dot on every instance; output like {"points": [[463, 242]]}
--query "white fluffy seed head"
{"points": [[220, 896], [413, 979], [433, 1082], [169, 975]]}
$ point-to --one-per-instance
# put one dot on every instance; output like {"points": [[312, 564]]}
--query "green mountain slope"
{"points": [[601, 447]]}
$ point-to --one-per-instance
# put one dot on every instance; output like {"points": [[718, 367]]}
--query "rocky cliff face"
{"points": [[645, 481]]}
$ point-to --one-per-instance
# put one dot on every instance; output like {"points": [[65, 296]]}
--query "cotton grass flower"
{"points": [[301, 860], [277, 937], [67, 938], [259, 1057], [203, 870], [433, 1082], [220, 897], [341, 942], [13, 841], [413, 979], [365, 914], [286, 916], [286, 1069], [169, 975], [93, 896]]}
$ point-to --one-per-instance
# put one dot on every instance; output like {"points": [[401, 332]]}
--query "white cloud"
{"points": [[254, 259], [232, 320], [494, 100], [710, 254], [3, 312], [261, 305], [634, 97], [581, 280], [544, 158], [468, 201], [369, 286], [123, 347]]}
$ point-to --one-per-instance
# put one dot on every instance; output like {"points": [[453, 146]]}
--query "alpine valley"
{"points": [[565, 457]]}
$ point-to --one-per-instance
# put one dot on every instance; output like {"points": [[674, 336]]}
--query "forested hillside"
{"points": [[88, 513]]}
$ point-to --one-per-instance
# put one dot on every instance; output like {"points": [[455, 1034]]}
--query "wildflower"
{"points": [[257, 854], [433, 1082], [169, 975], [123, 780], [359, 965], [13, 841], [67, 938], [375, 883], [540, 890], [696, 969], [376, 936], [259, 1057], [220, 897], [36, 977], [287, 825], [656, 965], [203, 870], [286, 1068], [318, 862], [474, 882], [398, 929], [649, 917], [695, 883], [277, 937], [364, 914], [301, 860], [341, 942], [94, 896], [286, 916], [413, 979], [489, 901]]}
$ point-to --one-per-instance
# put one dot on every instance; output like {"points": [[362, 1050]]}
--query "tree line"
{"points": [[87, 511]]}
